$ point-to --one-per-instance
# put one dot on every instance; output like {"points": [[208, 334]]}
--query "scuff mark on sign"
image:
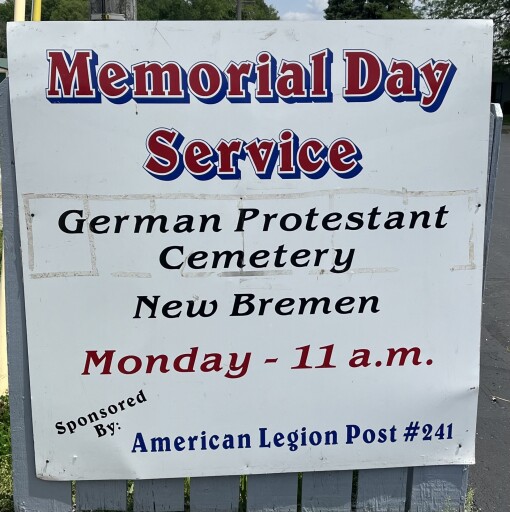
{"points": [[249, 197], [269, 34], [136, 275], [471, 265]]}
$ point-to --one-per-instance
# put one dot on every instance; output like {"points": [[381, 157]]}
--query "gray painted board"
{"points": [[101, 495], [272, 493], [439, 488], [166, 495], [30, 493], [215, 494], [380, 490], [328, 491], [496, 125]]}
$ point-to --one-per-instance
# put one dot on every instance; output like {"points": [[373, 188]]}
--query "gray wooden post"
{"points": [[496, 125], [113, 10]]}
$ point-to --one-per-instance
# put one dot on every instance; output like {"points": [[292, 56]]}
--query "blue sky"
{"points": [[299, 10]]}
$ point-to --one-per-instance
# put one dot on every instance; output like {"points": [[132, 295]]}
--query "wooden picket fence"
{"points": [[418, 489]]}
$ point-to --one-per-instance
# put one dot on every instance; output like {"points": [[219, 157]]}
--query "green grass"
{"points": [[6, 503], [470, 501], [506, 119]]}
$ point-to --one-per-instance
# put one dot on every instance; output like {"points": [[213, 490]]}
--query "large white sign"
{"points": [[251, 247]]}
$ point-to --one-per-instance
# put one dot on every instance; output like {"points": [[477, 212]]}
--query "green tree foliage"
{"points": [[203, 10], [162, 9], [369, 10], [54, 10], [497, 10], [7, 14], [259, 10], [48, 7], [68, 10]]}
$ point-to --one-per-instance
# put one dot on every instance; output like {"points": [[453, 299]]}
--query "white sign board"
{"points": [[251, 247]]}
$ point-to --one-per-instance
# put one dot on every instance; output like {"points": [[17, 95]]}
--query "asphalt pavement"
{"points": [[490, 476]]}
